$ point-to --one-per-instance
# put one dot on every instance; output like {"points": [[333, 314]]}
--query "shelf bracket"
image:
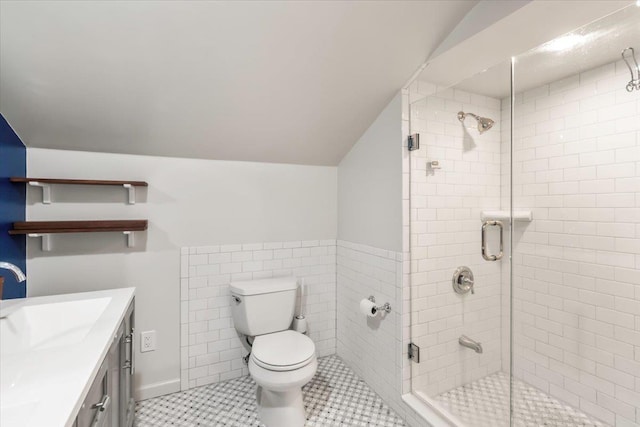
{"points": [[46, 240], [132, 193], [131, 241], [46, 191]]}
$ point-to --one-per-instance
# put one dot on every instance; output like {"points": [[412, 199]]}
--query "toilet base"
{"points": [[281, 408]]}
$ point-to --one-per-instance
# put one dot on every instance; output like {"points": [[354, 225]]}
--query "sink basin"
{"points": [[17, 415], [46, 326], [51, 349]]}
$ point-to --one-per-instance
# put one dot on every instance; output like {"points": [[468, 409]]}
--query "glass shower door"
{"points": [[459, 181]]}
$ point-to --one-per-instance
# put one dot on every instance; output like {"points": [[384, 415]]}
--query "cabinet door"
{"points": [[127, 356], [96, 408], [115, 372]]}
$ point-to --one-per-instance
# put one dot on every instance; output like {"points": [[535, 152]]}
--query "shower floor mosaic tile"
{"points": [[334, 397], [485, 403]]}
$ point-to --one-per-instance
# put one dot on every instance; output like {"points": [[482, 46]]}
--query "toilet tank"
{"points": [[263, 306]]}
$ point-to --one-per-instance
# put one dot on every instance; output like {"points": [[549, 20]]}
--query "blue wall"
{"points": [[13, 162]]}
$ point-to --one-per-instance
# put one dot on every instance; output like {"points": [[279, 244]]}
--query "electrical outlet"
{"points": [[147, 341]]}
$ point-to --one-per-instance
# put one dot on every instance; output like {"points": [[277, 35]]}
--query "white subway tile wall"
{"points": [[577, 265], [372, 347], [211, 349], [445, 233]]}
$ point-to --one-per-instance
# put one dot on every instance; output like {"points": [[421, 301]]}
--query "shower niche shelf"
{"points": [[520, 215], [45, 229], [45, 184]]}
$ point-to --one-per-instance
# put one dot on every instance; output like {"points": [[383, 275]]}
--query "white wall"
{"points": [[370, 184], [371, 205], [576, 287], [188, 203]]}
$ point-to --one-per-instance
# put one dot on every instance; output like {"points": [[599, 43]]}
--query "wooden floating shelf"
{"points": [[78, 181], [45, 229], [45, 184], [53, 227]]}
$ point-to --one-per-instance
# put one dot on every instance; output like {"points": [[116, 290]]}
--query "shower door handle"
{"points": [[485, 255]]}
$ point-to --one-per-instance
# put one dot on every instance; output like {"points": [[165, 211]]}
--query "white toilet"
{"points": [[282, 360]]}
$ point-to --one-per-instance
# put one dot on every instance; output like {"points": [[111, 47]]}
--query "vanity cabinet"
{"points": [[109, 401], [96, 408], [127, 367]]}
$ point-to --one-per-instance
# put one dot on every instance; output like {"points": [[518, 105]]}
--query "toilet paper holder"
{"points": [[386, 307]]}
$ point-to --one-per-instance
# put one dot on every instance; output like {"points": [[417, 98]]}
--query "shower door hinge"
{"points": [[414, 141], [414, 352]]}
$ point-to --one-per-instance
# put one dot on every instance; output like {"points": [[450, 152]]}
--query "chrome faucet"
{"points": [[20, 277], [465, 341]]}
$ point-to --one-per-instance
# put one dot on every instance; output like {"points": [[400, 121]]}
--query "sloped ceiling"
{"points": [[287, 82], [601, 42], [493, 43]]}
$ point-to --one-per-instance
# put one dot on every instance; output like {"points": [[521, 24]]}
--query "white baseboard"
{"points": [[157, 389]]}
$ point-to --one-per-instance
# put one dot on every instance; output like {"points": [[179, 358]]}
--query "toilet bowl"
{"points": [[282, 360], [281, 363]]}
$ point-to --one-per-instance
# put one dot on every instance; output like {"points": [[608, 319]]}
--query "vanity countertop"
{"points": [[47, 367]]}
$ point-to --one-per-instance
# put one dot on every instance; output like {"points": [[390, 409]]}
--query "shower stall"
{"points": [[524, 205]]}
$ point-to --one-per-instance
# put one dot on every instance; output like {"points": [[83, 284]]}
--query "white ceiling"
{"points": [[271, 81], [601, 43], [491, 48]]}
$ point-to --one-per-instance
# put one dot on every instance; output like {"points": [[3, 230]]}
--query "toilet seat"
{"points": [[283, 351]]}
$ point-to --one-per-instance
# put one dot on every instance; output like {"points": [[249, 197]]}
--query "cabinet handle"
{"points": [[103, 404], [130, 362], [133, 353], [102, 407], [128, 340]]}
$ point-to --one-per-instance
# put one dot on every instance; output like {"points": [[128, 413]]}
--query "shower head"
{"points": [[484, 123]]}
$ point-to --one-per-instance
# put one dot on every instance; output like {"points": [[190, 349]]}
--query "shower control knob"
{"points": [[465, 281], [462, 280]]}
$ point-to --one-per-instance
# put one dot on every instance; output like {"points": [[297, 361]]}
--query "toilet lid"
{"points": [[282, 349]]}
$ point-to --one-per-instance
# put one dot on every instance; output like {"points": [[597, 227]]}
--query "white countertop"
{"points": [[46, 387]]}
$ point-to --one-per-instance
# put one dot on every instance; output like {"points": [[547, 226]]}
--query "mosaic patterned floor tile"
{"points": [[485, 403], [334, 397]]}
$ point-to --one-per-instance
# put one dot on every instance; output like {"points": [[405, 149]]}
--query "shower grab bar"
{"points": [[485, 255]]}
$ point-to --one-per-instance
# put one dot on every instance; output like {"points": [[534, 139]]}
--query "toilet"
{"points": [[282, 360]]}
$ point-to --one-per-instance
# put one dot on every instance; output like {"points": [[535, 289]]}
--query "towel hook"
{"points": [[634, 83]]}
